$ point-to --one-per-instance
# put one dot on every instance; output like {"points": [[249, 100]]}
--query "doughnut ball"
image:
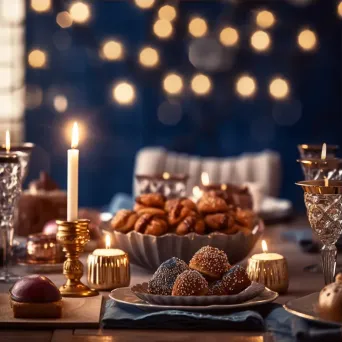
{"points": [[190, 283], [330, 301], [163, 279], [235, 280], [210, 262]]}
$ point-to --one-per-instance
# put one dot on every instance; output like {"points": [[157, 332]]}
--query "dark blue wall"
{"points": [[220, 125]]}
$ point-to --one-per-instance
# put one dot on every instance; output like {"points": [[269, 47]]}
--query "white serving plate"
{"points": [[125, 297], [305, 307]]}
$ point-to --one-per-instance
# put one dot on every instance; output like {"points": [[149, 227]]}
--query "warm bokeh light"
{"points": [[229, 36], [124, 93], [324, 151], [80, 12], [64, 19], [108, 241], [162, 29], [198, 27], [201, 84], [279, 88], [307, 39], [260, 41], [40, 5], [37, 59], [144, 4], [8, 141], [264, 246], [339, 9], [166, 175], [75, 136], [246, 86], [173, 84], [112, 50], [167, 12], [60, 103], [149, 57], [205, 178], [265, 19]]}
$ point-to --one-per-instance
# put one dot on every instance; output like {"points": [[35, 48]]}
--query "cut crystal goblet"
{"points": [[324, 209]]}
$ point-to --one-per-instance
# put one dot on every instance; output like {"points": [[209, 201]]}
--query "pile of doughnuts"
{"points": [[153, 214], [208, 273]]}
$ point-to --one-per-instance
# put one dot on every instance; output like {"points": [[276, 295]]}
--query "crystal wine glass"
{"points": [[308, 151], [324, 209], [10, 187]]}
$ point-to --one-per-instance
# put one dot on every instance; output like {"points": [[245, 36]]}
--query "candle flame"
{"points": [[324, 151], [264, 246], [166, 175], [8, 141], [74, 136], [108, 241], [197, 192], [205, 178], [326, 181]]}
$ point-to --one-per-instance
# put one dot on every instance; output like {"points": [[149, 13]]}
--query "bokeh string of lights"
{"points": [[148, 57]]}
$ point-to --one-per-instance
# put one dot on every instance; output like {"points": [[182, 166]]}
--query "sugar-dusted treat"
{"points": [[216, 289], [330, 301], [166, 275], [124, 220], [190, 283], [210, 261], [35, 296], [235, 280]]}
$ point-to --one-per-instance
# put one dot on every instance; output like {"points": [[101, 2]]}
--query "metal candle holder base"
{"points": [[73, 236]]}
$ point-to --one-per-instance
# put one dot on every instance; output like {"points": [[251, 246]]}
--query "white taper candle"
{"points": [[73, 157]]}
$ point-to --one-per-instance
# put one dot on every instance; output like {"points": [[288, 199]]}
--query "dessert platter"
{"points": [[158, 229], [207, 283]]}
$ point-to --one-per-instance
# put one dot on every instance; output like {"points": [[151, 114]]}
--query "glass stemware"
{"points": [[324, 210], [10, 187], [316, 168]]}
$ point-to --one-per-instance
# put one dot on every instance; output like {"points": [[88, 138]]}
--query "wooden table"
{"points": [[300, 284]]}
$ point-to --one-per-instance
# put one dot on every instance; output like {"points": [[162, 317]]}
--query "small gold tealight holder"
{"points": [[73, 236], [108, 268], [269, 269]]}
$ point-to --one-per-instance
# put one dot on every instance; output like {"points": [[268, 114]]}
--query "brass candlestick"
{"points": [[73, 236]]}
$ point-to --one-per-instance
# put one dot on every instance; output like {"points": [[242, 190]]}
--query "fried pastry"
{"points": [[124, 220], [245, 217], [191, 224], [190, 283], [150, 224], [184, 202], [178, 213], [209, 261], [219, 221], [153, 200], [211, 205], [152, 211]]}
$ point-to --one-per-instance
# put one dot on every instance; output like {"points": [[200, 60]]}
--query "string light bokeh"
{"points": [[265, 19], [112, 50], [37, 59], [144, 4], [246, 86], [229, 36], [80, 12], [149, 57], [279, 88], [124, 93], [167, 12], [260, 41], [198, 27], [163, 29], [40, 6], [201, 84], [173, 84], [307, 40]]}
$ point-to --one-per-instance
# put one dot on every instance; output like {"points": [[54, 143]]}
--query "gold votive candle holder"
{"points": [[108, 269], [270, 269]]}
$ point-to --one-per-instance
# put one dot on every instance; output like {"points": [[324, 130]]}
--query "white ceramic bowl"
{"points": [[150, 251]]}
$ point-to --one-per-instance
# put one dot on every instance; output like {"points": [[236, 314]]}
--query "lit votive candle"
{"points": [[269, 269], [108, 268]]}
